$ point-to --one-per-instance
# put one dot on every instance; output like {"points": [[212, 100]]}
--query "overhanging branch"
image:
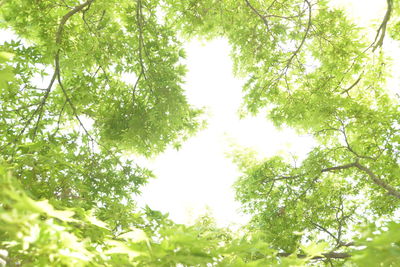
{"points": [[382, 28], [337, 168], [330, 255], [39, 110], [378, 181]]}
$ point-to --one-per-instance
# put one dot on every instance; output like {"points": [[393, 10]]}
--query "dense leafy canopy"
{"points": [[82, 83]]}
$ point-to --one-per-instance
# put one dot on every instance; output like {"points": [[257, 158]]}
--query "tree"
{"points": [[115, 65]]}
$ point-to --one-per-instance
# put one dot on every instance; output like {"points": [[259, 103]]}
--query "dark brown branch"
{"points": [[68, 99], [258, 14], [348, 244], [57, 73], [343, 131], [331, 255], [42, 104], [139, 18], [354, 84], [279, 178], [59, 118], [32, 116], [382, 28], [326, 231], [59, 33], [67, 16], [303, 40], [298, 49], [378, 181], [270, 188], [338, 168], [263, 17], [304, 37]]}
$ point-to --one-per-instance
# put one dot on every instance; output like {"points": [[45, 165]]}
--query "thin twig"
{"points": [[354, 84], [139, 18], [325, 230]]}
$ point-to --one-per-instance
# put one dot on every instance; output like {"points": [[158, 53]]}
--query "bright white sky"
{"points": [[199, 176]]}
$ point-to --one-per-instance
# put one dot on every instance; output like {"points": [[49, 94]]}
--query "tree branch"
{"points": [[59, 33], [304, 37], [68, 99], [258, 14], [353, 85], [139, 17], [382, 28], [326, 231], [57, 73], [337, 168], [66, 17], [330, 255], [378, 181]]}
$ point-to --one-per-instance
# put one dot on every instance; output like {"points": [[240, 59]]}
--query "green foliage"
{"points": [[34, 233], [82, 83], [381, 246], [6, 72], [117, 65]]}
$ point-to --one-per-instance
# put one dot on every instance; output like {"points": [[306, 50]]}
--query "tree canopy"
{"points": [[82, 83]]}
